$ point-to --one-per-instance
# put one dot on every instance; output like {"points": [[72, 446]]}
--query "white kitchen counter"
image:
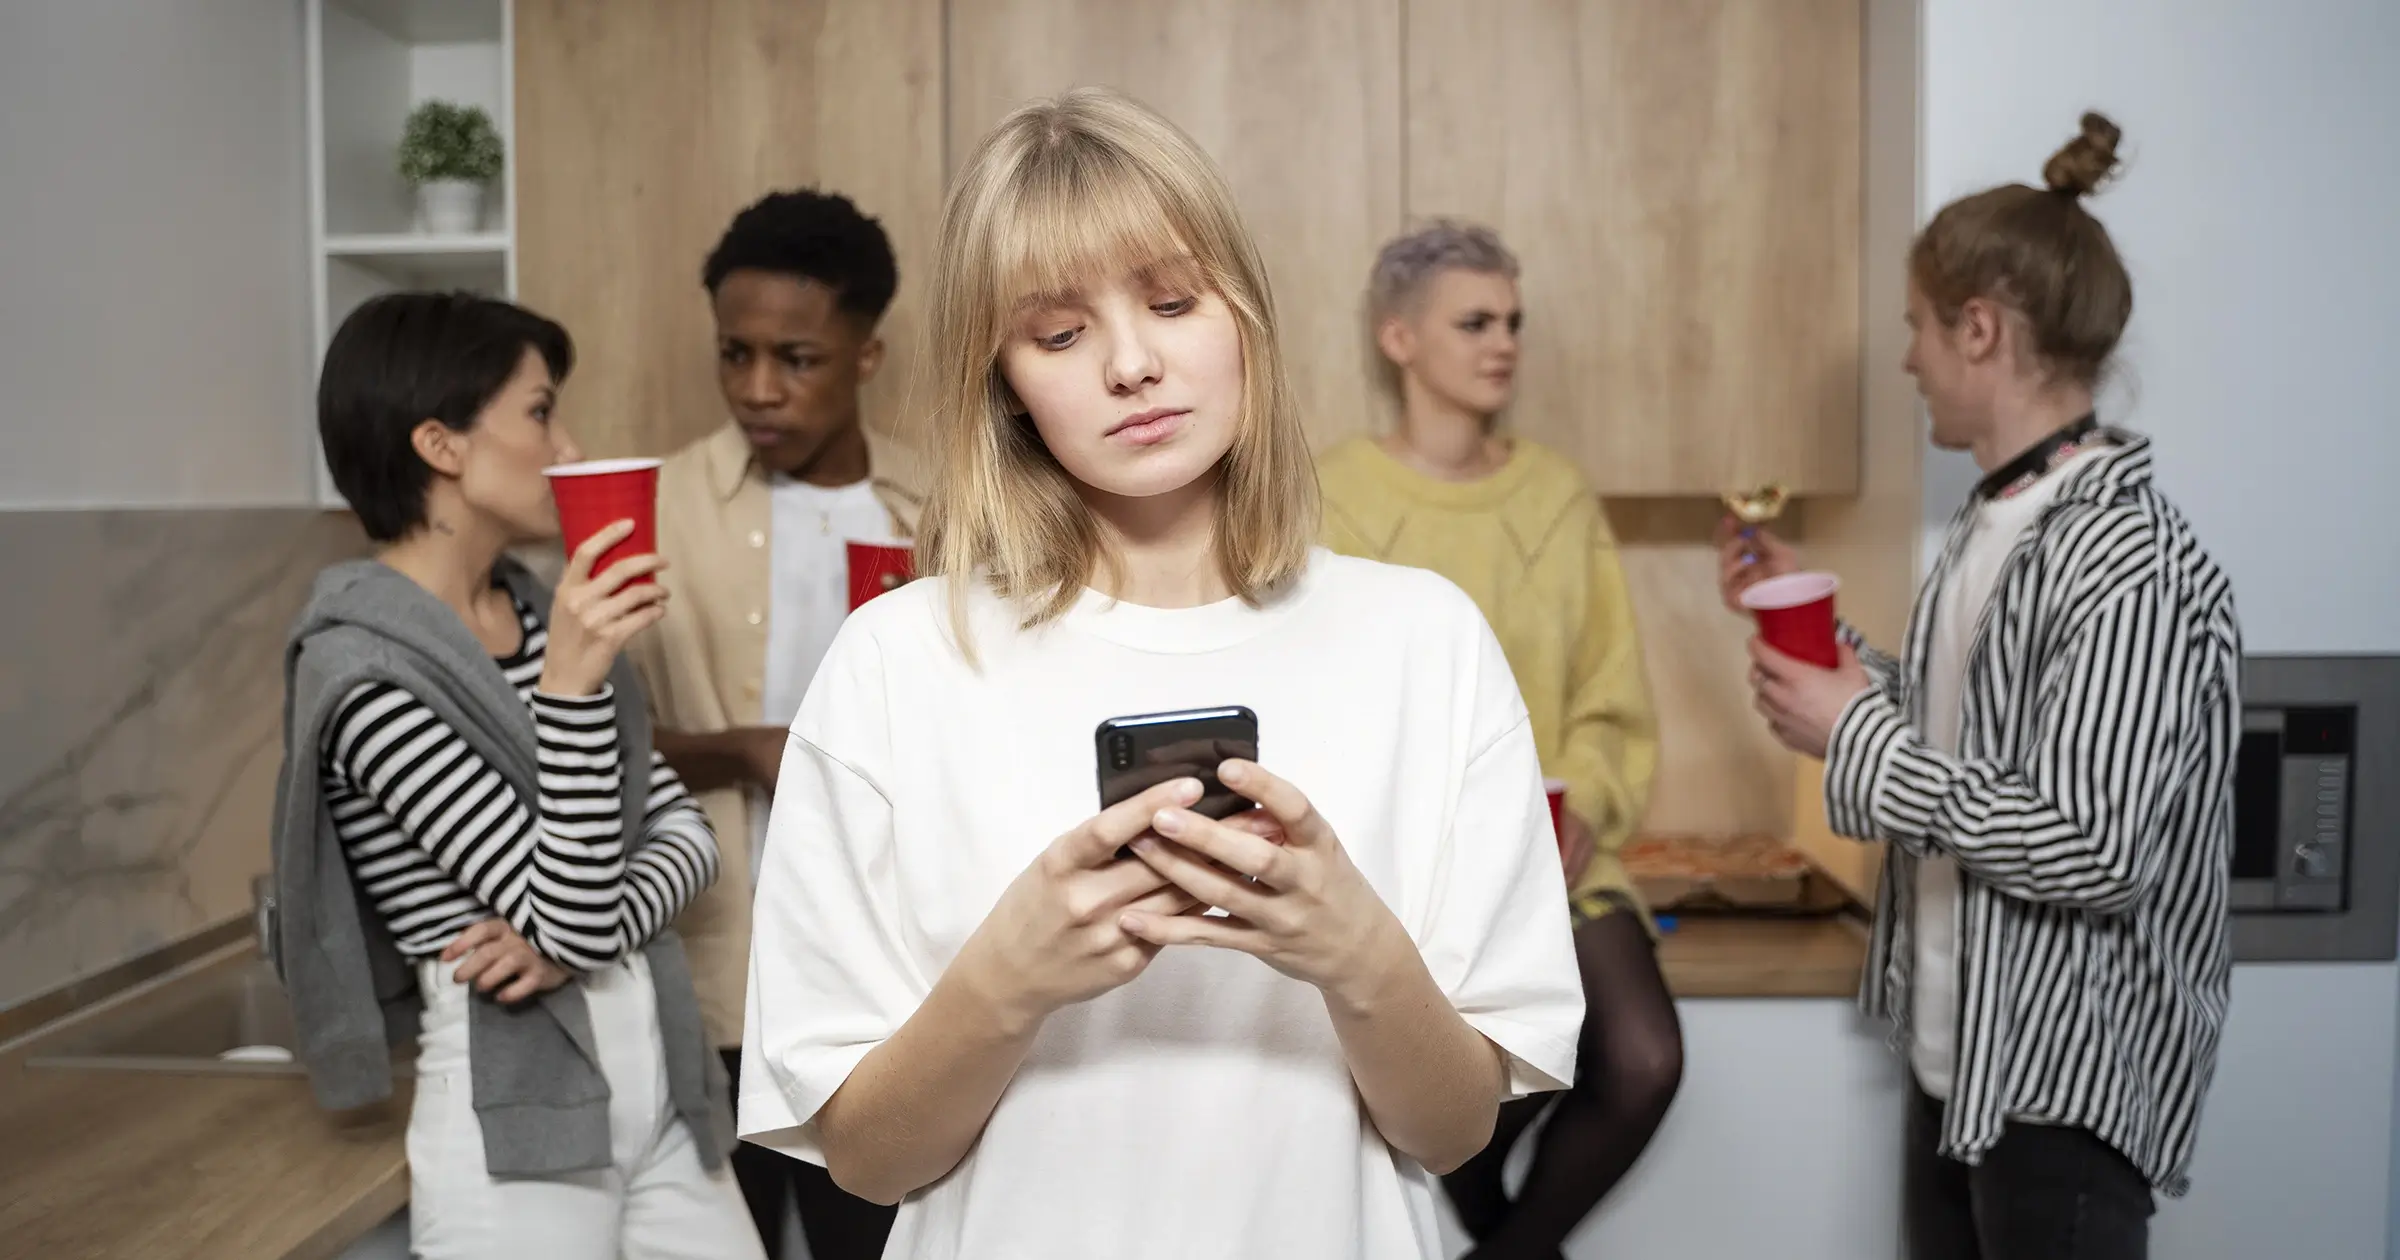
{"points": [[1785, 1139]]}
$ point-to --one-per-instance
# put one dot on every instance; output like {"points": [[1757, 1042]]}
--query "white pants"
{"points": [[654, 1201]]}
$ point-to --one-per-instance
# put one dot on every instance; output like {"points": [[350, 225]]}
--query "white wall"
{"points": [[2256, 214], [2257, 217], [153, 287], [1784, 1141]]}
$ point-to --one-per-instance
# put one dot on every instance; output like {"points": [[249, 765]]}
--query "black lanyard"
{"points": [[2038, 459]]}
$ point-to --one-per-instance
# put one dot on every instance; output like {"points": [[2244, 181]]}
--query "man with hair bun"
{"points": [[2050, 760]]}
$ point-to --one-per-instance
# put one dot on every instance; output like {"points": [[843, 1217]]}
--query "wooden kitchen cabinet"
{"points": [[1682, 181], [1299, 103], [643, 128]]}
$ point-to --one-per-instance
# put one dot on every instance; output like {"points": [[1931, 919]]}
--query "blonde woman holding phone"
{"points": [[1259, 1037]]}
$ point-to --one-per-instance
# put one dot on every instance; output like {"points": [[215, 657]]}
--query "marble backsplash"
{"points": [[140, 715], [140, 723]]}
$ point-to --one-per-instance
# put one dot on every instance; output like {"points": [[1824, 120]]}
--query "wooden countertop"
{"points": [[1735, 956], [106, 1164]]}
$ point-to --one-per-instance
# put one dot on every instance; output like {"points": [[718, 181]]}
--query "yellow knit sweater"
{"points": [[1531, 546]]}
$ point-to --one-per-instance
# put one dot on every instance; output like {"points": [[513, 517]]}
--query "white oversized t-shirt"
{"points": [[1205, 1109]]}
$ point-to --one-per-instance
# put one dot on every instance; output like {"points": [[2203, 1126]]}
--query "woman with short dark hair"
{"points": [[472, 828]]}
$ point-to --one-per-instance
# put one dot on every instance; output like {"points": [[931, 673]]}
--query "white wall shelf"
{"points": [[369, 63], [405, 244]]}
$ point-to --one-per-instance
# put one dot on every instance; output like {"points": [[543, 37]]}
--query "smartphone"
{"points": [[1140, 752]]}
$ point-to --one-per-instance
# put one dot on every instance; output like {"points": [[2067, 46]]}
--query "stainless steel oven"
{"points": [[2316, 802]]}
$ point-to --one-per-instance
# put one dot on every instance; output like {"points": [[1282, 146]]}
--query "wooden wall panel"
{"points": [[1870, 538], [643, 128], [1681, 181], [1298, 103], [1719, 771]]}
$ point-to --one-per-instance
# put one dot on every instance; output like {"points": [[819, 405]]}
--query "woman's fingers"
{"points": [[579, 564], [1195, 929], [1167, 900], [1205, 881], [615, 577], [623, 604], [1302, 825], [1242, 853], [1112, 887], [494, 955], [1094, 845], [480, 963], [1257, 822], [511, 964], [475, 935], [528, 983]]}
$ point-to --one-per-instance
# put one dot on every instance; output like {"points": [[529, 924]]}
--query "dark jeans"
{"points": [[2042, 1193], [838, 1224]]}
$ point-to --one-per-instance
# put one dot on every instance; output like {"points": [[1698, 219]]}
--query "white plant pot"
{"points": [[449, 207]]}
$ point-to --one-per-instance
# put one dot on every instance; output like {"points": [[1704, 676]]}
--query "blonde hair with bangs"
{"points": [[1064, 193]]}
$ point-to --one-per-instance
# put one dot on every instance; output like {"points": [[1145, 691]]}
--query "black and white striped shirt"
{"points": [[2090, 811], [439, 840]]}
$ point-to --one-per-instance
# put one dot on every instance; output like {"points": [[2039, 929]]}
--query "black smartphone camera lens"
{"points": [[1120, 751]]}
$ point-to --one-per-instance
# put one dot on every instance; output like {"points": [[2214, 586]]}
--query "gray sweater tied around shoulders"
{"points": [[535, 1069]]}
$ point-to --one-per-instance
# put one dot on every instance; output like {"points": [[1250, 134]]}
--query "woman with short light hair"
{"points": [[1519, 528]]}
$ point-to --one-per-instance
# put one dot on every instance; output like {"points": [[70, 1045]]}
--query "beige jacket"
{"points": [[705, 664]]}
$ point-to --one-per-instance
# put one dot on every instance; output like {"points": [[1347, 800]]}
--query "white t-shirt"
{"points": [[808, 594], [1204, 1110], [1957, 612]]}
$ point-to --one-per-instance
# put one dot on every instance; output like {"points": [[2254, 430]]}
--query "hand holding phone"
{"points": [[1056, 936], [1298, 904]]}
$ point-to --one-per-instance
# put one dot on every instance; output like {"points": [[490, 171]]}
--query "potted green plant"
{"points": [[449, 152]]}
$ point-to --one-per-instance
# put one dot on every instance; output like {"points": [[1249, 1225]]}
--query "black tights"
{"points": [[1629, 1062]]}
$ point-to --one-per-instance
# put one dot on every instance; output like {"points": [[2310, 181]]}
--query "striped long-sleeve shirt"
{"points": [[438, 840], [2090, 811]]}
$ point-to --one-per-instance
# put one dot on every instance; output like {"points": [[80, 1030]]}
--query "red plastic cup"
{"points": [[1556, 790], [1795, 616], [878, 567], [598, 493]]}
